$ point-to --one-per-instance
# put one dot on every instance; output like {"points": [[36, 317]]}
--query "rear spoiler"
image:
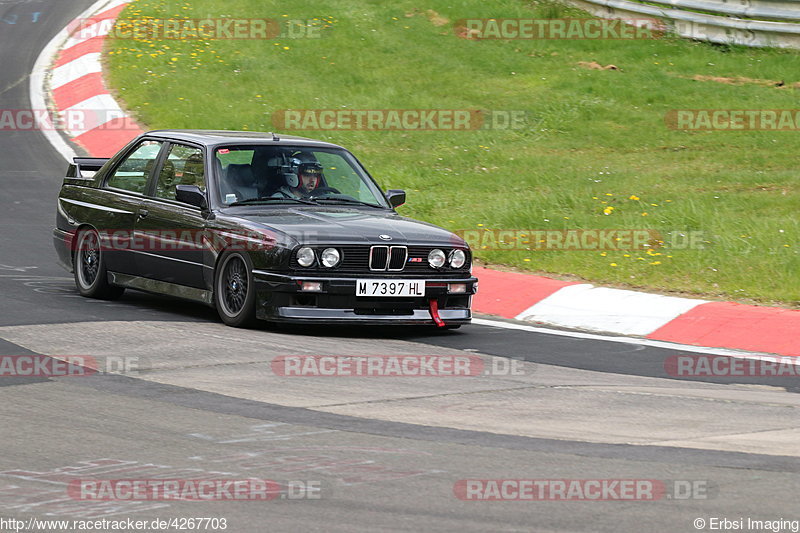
{"points": [[85, 164]]}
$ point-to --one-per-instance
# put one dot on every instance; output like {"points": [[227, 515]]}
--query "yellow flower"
{"points": [[633, 197], [656, 263], [603, 254], [608, 210], [613, 264], [644, 214]]}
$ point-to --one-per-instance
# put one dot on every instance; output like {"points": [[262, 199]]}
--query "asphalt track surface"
{"points": [[386, 453]]}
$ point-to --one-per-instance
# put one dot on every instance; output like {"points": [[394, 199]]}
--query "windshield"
{"points": [[252, 174]]}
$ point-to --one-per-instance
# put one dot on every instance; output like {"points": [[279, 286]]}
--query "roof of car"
{"points": [[214, 137]]}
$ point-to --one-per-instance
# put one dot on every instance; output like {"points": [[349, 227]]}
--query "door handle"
{"points": [[143, 213]]}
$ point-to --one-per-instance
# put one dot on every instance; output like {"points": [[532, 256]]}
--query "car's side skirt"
{"points": [[160, 287]]}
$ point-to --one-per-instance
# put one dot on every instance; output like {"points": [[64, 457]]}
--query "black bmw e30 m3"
{"points": [[282, 229]]}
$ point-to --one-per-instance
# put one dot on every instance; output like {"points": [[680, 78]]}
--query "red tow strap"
{"points": [[434, 307]]}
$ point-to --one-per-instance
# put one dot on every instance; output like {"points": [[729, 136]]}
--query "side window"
{"points": [[183, 166], [132, 173]]}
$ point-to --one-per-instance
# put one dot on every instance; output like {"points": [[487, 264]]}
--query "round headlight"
{"points": [[436, 258], [330, 257], [457, 258], [305, 256]]}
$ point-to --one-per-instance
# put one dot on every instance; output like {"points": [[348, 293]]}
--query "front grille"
{"points": [[391, 258], [398, 259], [374, 260], [378, 257]]}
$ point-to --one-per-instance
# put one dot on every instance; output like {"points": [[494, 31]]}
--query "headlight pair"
{"points": [[456, 258], [329, 257]]}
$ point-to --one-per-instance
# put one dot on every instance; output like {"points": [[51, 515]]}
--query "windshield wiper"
{"points": [[267, 199], [349, 201]]}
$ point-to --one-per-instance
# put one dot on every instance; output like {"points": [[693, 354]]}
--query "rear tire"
{"points": [[89, 267], [234, 290]]}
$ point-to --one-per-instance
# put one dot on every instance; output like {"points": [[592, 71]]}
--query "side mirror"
{"points": [[396, 197], [192, 195]]}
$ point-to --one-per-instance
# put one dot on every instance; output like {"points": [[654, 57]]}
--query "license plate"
{"points": [[390, 287]]}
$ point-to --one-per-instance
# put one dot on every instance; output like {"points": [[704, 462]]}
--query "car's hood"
{"points": [[334, 225]]}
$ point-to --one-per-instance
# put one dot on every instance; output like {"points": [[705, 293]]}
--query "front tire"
{"points": [[234, 290], [90, 268]]}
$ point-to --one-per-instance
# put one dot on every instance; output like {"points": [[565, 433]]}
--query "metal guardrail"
{"points": [[744, 22], [769, 10]]}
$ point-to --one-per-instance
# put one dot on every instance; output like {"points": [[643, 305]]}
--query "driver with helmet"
{"points": [[302, 184]]}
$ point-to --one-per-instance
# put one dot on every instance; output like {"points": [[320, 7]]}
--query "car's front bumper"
{"points": [[279, 299]]}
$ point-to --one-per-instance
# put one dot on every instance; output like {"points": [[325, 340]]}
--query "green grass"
{"points": [[591, 133]]}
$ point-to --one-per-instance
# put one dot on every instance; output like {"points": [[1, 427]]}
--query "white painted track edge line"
{"points": [[634, 340]]}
